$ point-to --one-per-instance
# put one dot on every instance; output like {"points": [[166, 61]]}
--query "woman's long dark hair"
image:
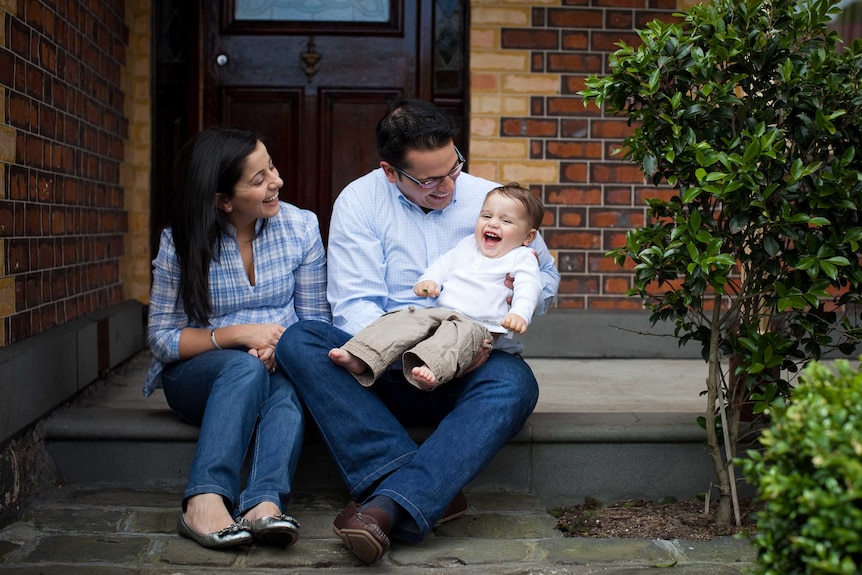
{"points": [[212, 163]]}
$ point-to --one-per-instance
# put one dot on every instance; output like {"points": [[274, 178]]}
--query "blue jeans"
{"points": [[364, 428], [229, 393]]}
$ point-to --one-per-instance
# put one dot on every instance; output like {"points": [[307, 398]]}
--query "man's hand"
{"points": [[426, 288], [509, 282], [514, 322], [481, 356]]}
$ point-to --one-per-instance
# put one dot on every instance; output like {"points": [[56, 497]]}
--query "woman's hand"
{"points": [[261, 342], [267, 356], [259, 336]]}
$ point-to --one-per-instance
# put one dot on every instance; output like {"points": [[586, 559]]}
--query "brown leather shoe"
{"points": [[457, 508], [363, 532]]}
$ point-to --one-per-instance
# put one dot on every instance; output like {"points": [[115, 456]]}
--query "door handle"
{"points": [[221, 59]]}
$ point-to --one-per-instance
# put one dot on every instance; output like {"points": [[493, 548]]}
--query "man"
{"points": [[387, 227]]}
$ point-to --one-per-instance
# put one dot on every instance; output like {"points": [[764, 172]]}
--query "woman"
{"points": [[233, 271]]}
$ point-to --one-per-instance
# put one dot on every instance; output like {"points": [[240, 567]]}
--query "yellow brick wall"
{"points": [[528, 124], [501, 84], [137, 81]]}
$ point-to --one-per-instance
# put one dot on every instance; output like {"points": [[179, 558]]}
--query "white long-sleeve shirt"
{"points": [[380, 242], [473, 284]]}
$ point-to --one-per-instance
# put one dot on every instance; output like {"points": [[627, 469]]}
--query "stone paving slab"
{"points": [[117, 530]]}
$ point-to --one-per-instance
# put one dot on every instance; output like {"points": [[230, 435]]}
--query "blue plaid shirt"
{"points": [[290, 284], [380, 243]]}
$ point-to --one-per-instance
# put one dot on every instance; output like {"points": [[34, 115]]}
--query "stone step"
{"points": [[113, 436], [131, 529]]}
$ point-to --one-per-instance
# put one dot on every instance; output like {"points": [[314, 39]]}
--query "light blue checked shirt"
{"points": [[380, 243], [290, 284]]}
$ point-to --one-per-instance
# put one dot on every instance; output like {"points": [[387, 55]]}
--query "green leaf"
{"points": [[650, 164], [829, 269], [690, 194], [694, 221], [704, 237], [771, 246], [752, 151], [692, 251]]}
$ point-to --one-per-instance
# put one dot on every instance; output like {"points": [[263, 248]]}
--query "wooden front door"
{"points": [[314, 90]]}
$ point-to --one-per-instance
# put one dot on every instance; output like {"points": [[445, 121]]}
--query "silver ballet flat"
{"points": [[231, 536], [279, 530]]}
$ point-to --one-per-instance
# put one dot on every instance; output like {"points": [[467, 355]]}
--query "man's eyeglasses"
{"points": [[431, 183]]}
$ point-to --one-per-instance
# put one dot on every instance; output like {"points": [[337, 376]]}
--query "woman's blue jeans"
{"points": [[230, 394], [364, 428]]}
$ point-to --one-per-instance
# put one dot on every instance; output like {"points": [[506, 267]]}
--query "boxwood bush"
{"points": [[809, 476]]}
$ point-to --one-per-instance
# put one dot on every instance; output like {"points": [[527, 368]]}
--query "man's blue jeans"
{"points": [[227, 393], [475, 415]]}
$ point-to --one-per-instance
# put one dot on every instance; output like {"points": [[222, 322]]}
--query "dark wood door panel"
{"points": [[276, 116], [319, 127], [348, 119], [314, 92], [341, 61]]}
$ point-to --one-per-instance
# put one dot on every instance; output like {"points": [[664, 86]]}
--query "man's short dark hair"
{"points": [[412, 124]]}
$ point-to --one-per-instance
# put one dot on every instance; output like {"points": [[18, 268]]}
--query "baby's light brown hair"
{"points": [[533, 205]]}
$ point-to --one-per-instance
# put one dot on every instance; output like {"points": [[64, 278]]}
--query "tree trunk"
{"points": [[724, 514]]}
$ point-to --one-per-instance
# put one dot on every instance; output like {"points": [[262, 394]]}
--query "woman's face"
{"points": [[256, 193]]}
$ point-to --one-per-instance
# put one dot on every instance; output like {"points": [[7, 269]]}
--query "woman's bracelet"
{"points": [[213, 339]]}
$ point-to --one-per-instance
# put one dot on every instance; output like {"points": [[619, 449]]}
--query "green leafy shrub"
{"points": [[809, 477], [752, 118]]}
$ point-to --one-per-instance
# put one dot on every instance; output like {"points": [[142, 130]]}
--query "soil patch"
{"points": [[650, 520]]}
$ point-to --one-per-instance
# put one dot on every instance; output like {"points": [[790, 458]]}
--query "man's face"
{"points": [[443, 164]]}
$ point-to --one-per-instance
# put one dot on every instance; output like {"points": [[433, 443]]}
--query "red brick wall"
{"points": [[597, 196], [61, 211]]}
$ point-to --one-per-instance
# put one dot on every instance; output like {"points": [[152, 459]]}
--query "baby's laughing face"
{"points": [[503, 225]]}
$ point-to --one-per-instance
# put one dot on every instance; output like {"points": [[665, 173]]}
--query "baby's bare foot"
{"points": [[347, 360], [424, 377]]}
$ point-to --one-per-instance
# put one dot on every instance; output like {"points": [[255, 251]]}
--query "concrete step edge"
{"points": [[111, 424]]}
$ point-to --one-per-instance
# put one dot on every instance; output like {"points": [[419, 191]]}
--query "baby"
{"points": [[437, 344]]}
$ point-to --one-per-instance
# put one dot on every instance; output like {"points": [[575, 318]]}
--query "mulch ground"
{"points": [[653, 520]]}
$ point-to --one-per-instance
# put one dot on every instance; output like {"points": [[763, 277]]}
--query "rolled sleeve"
{"points": [[166, 315]]}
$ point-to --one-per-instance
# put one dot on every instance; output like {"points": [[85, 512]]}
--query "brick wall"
{"points": [[63, 133], [136, 268], [527, 124]]}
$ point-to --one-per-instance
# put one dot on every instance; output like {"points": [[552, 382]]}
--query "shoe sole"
{"points": [[278, 537], [208, 541], [361, 543]]}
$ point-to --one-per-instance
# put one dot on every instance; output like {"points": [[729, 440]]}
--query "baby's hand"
{"points": [[426, 288], [514, 322]]}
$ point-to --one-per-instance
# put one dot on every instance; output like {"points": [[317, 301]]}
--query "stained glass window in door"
{"points": [[312, 10], [449, 48]]}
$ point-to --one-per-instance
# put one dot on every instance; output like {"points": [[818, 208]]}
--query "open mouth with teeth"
{"points": [[438, 196], [271, 200], [491, 239]]}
